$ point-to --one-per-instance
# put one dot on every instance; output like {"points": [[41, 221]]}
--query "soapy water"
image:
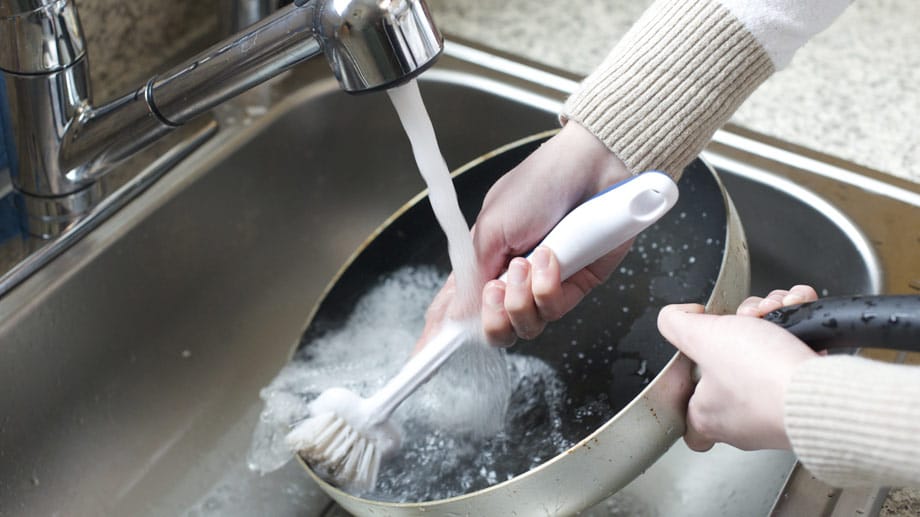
{"points": [[367, 350], [444, 453]]}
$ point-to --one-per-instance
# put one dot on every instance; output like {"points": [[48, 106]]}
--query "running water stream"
{"points": [[407, 99]]}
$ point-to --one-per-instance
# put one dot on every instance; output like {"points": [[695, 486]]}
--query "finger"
{"points": [[757, 307], [553, 299], [547, 285], [676, 325], [778, 298], [800, 294], [773, 301], [495, 323], [519, 302], [749, 306]]}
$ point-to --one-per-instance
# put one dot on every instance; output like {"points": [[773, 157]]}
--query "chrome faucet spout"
{"points": [[61, 143], [376, 44]]}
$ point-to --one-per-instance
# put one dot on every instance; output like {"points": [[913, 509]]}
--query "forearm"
{"points": [[684, 68], [853, 421]]}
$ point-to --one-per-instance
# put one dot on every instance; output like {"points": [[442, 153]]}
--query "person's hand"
{"points": [[518, 211], [745, 365]]}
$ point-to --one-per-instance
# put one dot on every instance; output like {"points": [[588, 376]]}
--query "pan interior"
{"points": [[602, 354]]}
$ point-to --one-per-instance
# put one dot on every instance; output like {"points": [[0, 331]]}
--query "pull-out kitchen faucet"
{"points": [[59, 143]]}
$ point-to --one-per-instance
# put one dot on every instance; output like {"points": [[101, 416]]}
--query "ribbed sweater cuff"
{"points": [[856, 422], [676, 76]]}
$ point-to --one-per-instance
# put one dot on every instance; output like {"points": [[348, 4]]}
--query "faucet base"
{"points": [[47, 217]]}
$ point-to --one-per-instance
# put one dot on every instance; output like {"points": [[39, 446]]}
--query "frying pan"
{"points": [[696, 253]]}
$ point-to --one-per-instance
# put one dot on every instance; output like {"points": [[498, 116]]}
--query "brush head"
{"points": [[342, 442]]}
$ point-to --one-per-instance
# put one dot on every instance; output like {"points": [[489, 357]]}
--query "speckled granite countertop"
{"points": [[851, 92], [127, 42]]}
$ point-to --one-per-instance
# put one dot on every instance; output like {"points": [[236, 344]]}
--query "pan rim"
{"points": [[716, 302]]}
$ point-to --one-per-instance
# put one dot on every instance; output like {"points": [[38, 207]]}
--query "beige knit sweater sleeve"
{"points": [[678, 74], [856, 422]]}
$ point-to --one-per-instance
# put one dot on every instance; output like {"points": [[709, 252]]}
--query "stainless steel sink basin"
{"points": [[130, 366]]}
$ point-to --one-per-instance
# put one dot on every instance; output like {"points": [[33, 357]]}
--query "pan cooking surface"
{"points": [[586, 367]]}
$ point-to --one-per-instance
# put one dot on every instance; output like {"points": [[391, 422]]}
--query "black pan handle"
{"points": [[887, 321]]}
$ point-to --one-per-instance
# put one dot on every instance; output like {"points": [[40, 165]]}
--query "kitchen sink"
{"points": [[131, 364]]}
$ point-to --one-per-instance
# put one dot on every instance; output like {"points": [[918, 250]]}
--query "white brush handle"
{"points": [[587, 233], [610, 219]]}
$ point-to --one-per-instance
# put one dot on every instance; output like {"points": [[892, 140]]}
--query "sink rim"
{"points": [[855, 236]]}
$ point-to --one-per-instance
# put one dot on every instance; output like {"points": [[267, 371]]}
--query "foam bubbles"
{"points": [[482, 419], [437, 461], [368, 349]]}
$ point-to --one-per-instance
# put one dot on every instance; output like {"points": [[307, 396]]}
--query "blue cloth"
{"points": [[3, 160], [9, 219], [2, 149], [9, 222]]}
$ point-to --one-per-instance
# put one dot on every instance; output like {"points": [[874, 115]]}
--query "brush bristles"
{"points": [[331, 446]]}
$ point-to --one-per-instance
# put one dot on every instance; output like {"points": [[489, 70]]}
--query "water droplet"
{"points": [[643, 368]]}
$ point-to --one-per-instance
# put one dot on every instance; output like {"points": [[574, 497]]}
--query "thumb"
{"points": [[678, 323]]}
